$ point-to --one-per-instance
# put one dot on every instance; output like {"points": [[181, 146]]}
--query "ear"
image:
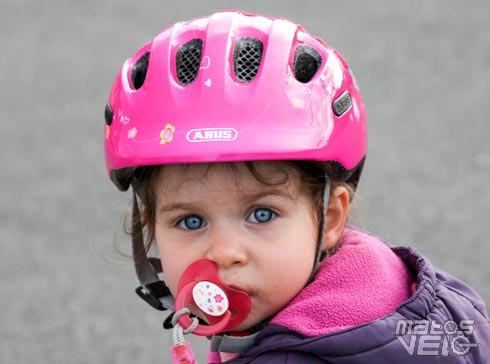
{"points": [[338, 208]]}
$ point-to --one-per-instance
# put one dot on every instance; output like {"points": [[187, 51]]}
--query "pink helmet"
{"points": [[234, 87]]}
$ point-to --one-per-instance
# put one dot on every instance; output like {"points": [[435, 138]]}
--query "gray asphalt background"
{"points": [[67, 292]]}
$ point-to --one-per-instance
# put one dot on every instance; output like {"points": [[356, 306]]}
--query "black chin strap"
{"points": [[153, 290], [323, 226]]}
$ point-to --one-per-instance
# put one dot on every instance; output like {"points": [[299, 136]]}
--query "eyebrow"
{"points": [[248, 198], [283, 193], [176, 206]]}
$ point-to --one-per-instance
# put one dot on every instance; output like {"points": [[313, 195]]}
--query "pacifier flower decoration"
{"points": [[210, 298]]}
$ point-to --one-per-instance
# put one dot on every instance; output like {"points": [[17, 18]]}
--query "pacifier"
{"points": [[224, 307]]}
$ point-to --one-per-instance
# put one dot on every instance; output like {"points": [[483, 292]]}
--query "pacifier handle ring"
{"points": [[185, 321]]}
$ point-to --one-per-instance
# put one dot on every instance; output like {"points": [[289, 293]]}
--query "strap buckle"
{"points": [[151, 294]]}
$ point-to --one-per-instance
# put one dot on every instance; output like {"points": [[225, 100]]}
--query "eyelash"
{"points": [[272, 215]]}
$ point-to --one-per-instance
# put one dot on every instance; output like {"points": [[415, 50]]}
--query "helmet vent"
{"points": [[138, 73], [246, 59], [307, 61], [108, 114], [188, 60]]}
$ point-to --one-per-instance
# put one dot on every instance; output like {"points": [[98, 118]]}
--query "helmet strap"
{"points": [[322, 229], [153, 290]]}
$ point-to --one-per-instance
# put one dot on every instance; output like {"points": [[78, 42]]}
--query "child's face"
{"points": [[263, 238]]}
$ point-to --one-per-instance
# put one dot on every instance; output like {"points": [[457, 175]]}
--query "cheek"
{"points": [[171, 272], [288, 269], [174, 262], [299, 265]]}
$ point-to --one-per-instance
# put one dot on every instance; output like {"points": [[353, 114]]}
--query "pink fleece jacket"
{"points": [[362, 282]]}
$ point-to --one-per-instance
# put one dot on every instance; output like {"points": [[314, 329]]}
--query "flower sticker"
{"points": [[132, 133], [218, 298], [298, 103], [167, 134]]}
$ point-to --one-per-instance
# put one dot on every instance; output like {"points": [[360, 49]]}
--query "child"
{"points": [[244, 137]]}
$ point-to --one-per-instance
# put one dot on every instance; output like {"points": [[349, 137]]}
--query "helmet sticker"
{"points": [[167, 134], [123, 119], [132, 133], [205, 63], [212, 135], [208, 82], [298, 103]]}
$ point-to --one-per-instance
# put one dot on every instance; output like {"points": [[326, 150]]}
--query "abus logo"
{"points": [[212, 135]]}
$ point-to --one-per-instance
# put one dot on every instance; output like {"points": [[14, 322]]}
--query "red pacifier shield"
{"points": [[224, 307]]}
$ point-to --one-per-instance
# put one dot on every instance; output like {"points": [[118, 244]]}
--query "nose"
{"points": [[227, 249]]}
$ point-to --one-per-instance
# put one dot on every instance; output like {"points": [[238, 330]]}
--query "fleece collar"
{"points": [[364, 281]]}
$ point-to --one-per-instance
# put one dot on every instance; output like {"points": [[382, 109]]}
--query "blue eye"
{"points": [[192, 222], [261, 215]]}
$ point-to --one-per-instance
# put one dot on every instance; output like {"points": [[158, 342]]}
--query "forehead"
{"points": [[239, 177]]}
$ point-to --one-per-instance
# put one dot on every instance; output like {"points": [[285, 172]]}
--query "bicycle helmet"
{"points": [[234, 87]]}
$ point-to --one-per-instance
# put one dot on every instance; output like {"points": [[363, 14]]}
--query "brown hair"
{"points": [[312, 177]]}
